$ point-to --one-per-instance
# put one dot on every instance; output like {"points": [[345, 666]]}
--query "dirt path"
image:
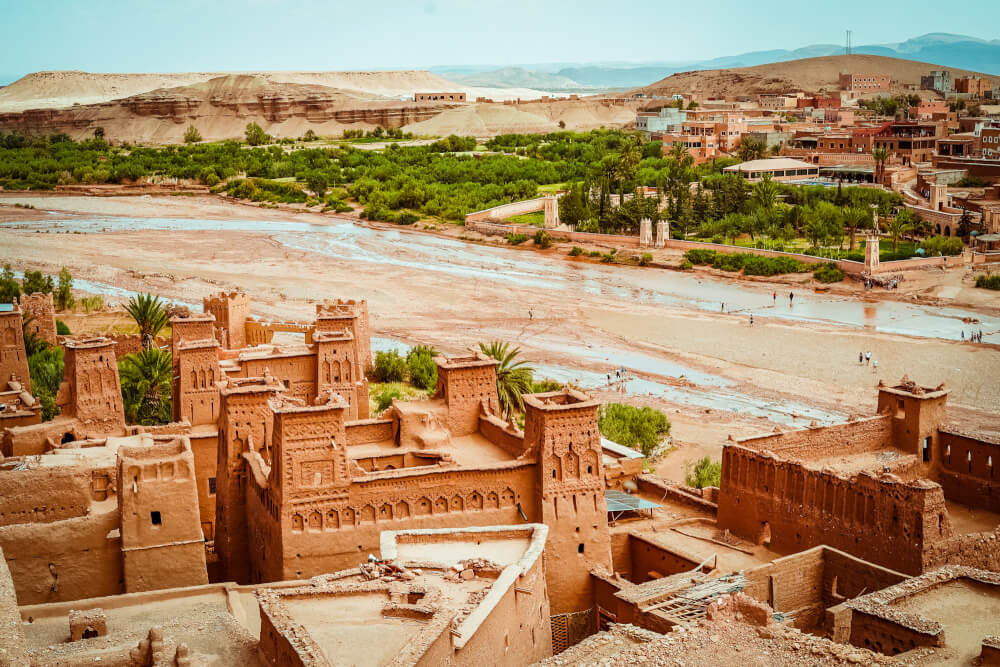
{"points": [[775, 363]]}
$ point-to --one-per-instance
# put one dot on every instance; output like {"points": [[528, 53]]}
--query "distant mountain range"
{"points": [[959, 51]]}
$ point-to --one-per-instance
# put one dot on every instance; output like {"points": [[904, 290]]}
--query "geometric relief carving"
{"points": [[492, 500], [507, 498], [315, 473], [367, 514], [402, 510], [457, 504], [347, 517], [385, 512], [315, 521], [441, 506], [332, 521], [297, 523], [475, 501]]}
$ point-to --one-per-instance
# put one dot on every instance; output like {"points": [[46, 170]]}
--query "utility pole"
{"points": [[847, 50]]}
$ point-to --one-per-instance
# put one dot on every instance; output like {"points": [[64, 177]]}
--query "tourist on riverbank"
{"points": [[861, 358], [868, 358]]}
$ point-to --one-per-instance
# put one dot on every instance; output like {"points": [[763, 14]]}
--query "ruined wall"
{"points": [[863, 435], [126, 344], [162, 541], [881, 520], [43, 313], [979, 550], [885, 636], [667, 490], [968, 470], [297, 372]]}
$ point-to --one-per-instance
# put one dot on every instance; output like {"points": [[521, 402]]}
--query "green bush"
{"points": [[942, 245], [575, 251], [389, 367], [407, 218], [703, 473], [594, 253], [700, 256], [755, 265], [638, 428], [726, 262], [544, 386], [62, 329], [516, 239], [828, 273], [421, 367], [45, 368], [988, 282], [384, 395], [543, 239], [646, 259], [686, 265]]}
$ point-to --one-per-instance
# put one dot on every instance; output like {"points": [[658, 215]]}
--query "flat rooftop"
{"points": [[468, 451]]}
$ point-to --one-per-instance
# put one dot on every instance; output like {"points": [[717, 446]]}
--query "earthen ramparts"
{"points": [[853, 437]]}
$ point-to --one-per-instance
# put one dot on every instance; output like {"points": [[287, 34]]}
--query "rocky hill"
{"points": [[810, 75]]}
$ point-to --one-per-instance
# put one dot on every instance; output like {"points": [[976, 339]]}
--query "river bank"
{"points": [[710, 371]]}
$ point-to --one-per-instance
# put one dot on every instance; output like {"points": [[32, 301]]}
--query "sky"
{"points": [[246, 35]]}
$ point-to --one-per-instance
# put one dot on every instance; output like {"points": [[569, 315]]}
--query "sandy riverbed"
{"points": [[802, 363]]}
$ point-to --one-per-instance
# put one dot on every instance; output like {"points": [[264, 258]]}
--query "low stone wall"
{"points": [[505, 211], [849, 267]]}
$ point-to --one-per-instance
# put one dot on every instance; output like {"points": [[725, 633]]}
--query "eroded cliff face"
{"points": [[220, 109]]}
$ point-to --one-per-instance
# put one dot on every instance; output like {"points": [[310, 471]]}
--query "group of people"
{"points": [[974, 336], [888, 282], [620, 376], [865, 359]]}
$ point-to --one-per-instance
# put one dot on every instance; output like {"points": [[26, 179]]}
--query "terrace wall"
{"points": [[968, 470], [855, 437]]}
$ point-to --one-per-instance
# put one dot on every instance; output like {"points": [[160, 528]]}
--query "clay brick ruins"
{"points": [[277, 521]]}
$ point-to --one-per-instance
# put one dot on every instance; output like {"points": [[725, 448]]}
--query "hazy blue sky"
{"points": [[211, 35]]}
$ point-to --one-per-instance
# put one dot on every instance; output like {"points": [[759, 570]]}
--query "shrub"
{"points": [[575, 251], [45, 368], [63, 297], [192, 135], [828, 273], [700, 256], [594, 253], [309, 136], [942, 245], [421, 366], [988, 282], [92, 303], [389, 367], [384, 395], [62, 329], [543, 239], [732, 262], [544, 386], [638, 428], [256, 136], [702, 473], [686, 265], [754, 265], [646, 259], [407, 218], [516, 239]]}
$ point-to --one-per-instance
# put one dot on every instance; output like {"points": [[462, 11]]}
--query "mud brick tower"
{"points": [[91, 390], [561, 428]]}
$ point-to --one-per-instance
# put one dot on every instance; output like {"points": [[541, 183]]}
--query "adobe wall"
{"points": [[14, 651], [296, 371], [126, 344], [161, 538], [854, 437], [91, 390], [34, 439], [968, 470], [369, 430], [507, 210], [881, 520], [333, 535], [884, 636], [41, 308], [205, 450], [979, 550], [63, 560], [499, 433], [658, 486], [466, 384], [648, 559], [13, 358], [44, 495], [562, 428]]}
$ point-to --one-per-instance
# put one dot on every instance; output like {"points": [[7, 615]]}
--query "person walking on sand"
{"points": [[875, 366], [868, 358], [531, 315], [791, 296], [963, 335], [751, 319], [723, 306], [861, 358], [774, 297]]}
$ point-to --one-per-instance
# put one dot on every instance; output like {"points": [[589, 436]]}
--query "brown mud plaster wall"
{"points": [[864, 435], [969, 471], [888, 637], [13, 649], [881, 520]]}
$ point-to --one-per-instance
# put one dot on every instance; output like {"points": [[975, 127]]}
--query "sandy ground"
{"points": [[808, 363]]}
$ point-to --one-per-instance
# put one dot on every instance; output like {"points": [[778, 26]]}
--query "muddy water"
{"points": [[454, 259]]}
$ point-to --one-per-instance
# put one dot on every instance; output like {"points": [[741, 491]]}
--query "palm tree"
{"points": [[880, 155], [856, 218], [146, 378], [765, 192], [750, 149], [149, 315], [513, 376], [902, 223]]}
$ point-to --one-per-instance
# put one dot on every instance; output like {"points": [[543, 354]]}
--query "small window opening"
{"points": [[155, 518], [211, 486], [579, 548], [89, 632]]}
